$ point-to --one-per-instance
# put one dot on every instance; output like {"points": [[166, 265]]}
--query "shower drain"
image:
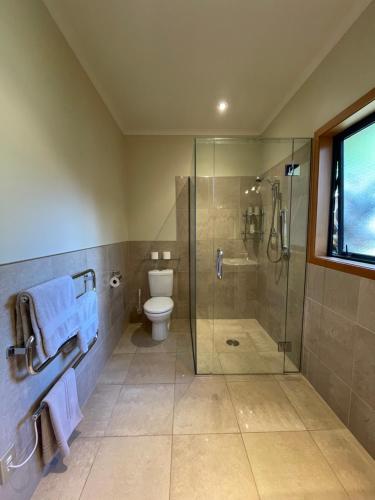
{"points": [[233, 342]]}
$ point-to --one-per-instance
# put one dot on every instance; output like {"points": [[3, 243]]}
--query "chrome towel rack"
{"points": [[27, 351]]}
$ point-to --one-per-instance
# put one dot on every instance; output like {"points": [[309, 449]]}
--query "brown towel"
{"points": [[49, 444]]}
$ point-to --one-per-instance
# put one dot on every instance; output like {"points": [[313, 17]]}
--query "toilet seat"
{"points": [[158, 305]]}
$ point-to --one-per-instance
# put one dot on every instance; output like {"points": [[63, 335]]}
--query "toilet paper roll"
{"points": [[166, 255], [154, 255], [114, 282]]}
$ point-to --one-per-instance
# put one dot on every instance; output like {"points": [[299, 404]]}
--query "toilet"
{"points": [[159, 308]]}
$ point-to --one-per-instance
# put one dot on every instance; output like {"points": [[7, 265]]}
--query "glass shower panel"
{"points": [[204, 153], [245, 212], [299, 206], [273, 262]]}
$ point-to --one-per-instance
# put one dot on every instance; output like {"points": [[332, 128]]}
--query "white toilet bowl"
{"points": [[158, 310]]}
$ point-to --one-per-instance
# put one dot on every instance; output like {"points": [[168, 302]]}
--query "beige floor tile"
{"points": [[313, 411], [208, 363], [205, 341], [66, 478], [251, 324], [352, 464], [205, 325], [183, 342], [248, 378], [180, 325], [242, 362], [116, 369], [184, 368], [274, 362], [289, 465], [131, 468], [97, 411], [228, 326], [147, 345], [125, 344], [143, 410], [204, 406], [262, 406], [220, 342], [262, 341], [211, 466], [153, 368]]}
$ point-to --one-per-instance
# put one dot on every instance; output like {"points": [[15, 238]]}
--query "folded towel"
{"points": [[50, 314], [88, 319], [62, 416]]}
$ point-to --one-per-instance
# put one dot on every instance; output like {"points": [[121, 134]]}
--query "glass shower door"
{"points": [[244, 247]]}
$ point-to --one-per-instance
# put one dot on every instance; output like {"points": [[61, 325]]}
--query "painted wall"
{"points": [[153, 162], [59, 146], [339, 342], [345, 75]]}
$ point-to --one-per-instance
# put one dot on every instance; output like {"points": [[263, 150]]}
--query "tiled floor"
{"points": [[256, 353], [154, 431]]}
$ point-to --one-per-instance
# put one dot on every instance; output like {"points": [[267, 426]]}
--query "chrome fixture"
{"points": [[219, 263], [278, 235], [256, 187], [27, 351]]}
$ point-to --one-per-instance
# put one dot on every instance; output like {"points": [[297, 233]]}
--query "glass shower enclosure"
{"points": [[248, 231]]}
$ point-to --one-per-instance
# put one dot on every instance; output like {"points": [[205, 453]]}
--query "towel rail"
{"points": [[28, 350]]}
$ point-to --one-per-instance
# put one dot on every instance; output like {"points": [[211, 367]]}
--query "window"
{"points": [[352, 219]]}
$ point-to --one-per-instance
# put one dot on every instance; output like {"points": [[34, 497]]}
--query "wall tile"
{"points": [[330, 387], [364, 365], [23, 393], [341, 293], [366, 301], [312, 323], [226, 192], [315, 282], [362, 423], [225, 223], [336, 344], [182, 192]]}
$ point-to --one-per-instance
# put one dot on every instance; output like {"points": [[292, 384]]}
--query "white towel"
{"points": [[51, 315], [64, 416], [88, 319]]}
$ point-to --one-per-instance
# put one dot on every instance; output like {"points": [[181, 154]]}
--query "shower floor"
{"points": [[250, 348]]}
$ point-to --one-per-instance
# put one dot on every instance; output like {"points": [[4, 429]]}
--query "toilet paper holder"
{"points": [[115, 280]]}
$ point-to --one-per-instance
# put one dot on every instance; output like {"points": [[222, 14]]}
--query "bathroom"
{"points": [[192, 188]]}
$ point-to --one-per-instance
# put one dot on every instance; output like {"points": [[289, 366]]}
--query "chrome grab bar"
{"points": [[219, 263]]}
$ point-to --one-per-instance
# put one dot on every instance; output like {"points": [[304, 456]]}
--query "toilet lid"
{"points": [[158, 305]]}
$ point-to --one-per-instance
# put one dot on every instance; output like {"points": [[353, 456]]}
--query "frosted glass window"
{"points": [[353, 193]]}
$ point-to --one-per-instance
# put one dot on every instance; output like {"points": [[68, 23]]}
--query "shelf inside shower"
{"points": [[239, 261]]}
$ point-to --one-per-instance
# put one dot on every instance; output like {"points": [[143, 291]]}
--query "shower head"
{"points": [[256, 186]]}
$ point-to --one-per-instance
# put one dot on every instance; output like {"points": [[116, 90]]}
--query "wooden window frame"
{"points": [[320, 188]]}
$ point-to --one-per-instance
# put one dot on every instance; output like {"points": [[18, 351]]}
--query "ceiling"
{"points": [[161, 66]]}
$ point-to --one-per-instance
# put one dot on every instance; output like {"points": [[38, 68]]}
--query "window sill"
{"points": [[346, 266]]}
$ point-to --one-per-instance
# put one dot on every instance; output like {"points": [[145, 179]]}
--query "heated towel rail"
{"points": [[27, 351]]}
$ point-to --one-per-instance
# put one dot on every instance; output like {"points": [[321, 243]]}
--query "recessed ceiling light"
{"points": [[222, 106]]}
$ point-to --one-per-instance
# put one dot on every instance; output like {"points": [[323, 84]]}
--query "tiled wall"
{"points": [[339, 347], [20, 393], [139, 263], [220, 203]]}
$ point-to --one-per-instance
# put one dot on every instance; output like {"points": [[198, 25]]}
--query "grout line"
{"points": [[328, 463], [172, 441], [291, 402], [92, 465], [242, 439]]}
